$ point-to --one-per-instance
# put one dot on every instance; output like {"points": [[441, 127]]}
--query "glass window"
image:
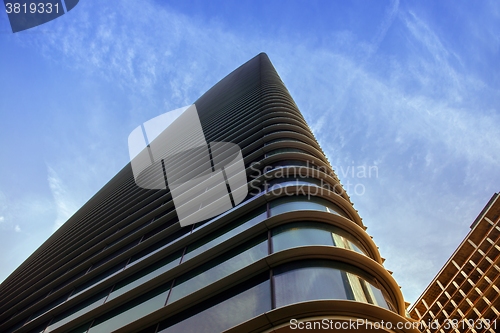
{"points": [[344, 242], [300, 234], [285, 163], [219, 236], [131, 311], [325, 279], [293, 203], [301, 202], [145, 275], [220, 267], [48, 307], [229, 309], [306, 281], [289, 181], [296, 234], [78, 310]]}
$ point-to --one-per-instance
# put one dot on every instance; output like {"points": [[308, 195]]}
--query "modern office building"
{"points": [[465, 296], [293, 254]]}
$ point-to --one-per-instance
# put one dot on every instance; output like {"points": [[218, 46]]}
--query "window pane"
{"points": [[131, 311], [377, 296], [78, 310], [324, 279], [233, 309], [145, 275], [293, 203], [300, 234], [312, 233], [48, 307], [225, 233], [221, 267], [299, 282], [344, 242]]}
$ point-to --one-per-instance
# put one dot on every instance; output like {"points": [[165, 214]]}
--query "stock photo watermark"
{"points": [[364, 324], [355, 183]]}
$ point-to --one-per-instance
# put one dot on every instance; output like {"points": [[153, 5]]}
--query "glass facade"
{"points": [[322, 279], [312, 233]]}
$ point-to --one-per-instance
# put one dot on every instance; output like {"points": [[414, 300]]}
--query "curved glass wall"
{"points": [[297, 180], [302, 202], [311, 280], [296, 234], [294, 282], [301, 281]]}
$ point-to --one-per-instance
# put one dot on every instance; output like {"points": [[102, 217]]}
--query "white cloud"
{"points": [[2, 219], [65, 206], [17, 228]]}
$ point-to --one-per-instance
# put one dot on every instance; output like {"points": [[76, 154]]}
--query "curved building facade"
{"points": [[293, 255]]}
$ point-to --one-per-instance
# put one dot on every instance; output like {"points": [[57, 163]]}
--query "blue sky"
{"points": [[409, 89]]}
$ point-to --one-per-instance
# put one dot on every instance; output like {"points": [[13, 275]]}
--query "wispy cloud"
{"points": [[65, 206]]}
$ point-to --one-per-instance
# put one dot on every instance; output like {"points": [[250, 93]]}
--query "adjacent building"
{"points": [[294, 254], [465, 296]]}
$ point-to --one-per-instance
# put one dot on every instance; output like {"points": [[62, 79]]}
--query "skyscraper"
{"points": [[465, 296], [293, 254]]}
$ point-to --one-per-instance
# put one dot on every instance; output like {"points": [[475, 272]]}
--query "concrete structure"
{"points": [[464, 296], [293, 254]]}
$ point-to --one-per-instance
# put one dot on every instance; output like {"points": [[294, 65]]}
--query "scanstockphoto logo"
{"points": [[205, 179], [24, 14]]}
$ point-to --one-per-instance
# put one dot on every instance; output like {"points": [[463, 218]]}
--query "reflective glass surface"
{"points": [[301, 202], [323, 279], [218, 268], [131, 311], [296, 234], [78, 310], [289, 181], [145, 275], [225, 233], [231, 308]]}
